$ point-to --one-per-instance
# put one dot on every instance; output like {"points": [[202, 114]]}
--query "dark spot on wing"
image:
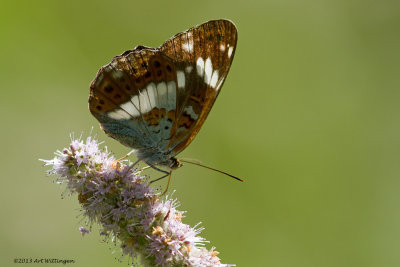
{"points": [[109, 89]]}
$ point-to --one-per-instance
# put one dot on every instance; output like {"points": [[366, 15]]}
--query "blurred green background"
{"points": [[309, 116]]}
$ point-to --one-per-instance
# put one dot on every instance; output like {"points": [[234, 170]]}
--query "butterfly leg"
{"points": [[144, 168], [130, 167], [166, 174], [169, 179], [124, 157], [162, 177]]}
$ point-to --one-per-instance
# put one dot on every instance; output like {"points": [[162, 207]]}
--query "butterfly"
{"points": [[155, 100]]}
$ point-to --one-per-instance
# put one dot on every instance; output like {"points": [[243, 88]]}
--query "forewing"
{"points": [[202, 57]]}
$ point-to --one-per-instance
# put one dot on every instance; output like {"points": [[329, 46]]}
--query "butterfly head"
{"points": [[175, 164], [170, 163]]}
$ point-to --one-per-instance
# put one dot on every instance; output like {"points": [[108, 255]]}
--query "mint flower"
{"points": [[128, 209]]}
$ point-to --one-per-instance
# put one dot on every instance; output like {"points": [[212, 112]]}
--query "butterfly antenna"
{"points": [[196, 162]]}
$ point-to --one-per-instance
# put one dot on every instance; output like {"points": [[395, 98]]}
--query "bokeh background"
{"points": [[309, 116]]}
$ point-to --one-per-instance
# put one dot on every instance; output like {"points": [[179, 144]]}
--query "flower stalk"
{"points": [[148, 228]]}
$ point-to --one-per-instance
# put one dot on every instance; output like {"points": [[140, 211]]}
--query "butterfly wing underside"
{"points": [[202, 56], [134, 98], [155, 100]]}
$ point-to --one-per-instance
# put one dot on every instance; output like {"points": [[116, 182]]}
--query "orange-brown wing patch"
{"points": [[155, 116]]}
